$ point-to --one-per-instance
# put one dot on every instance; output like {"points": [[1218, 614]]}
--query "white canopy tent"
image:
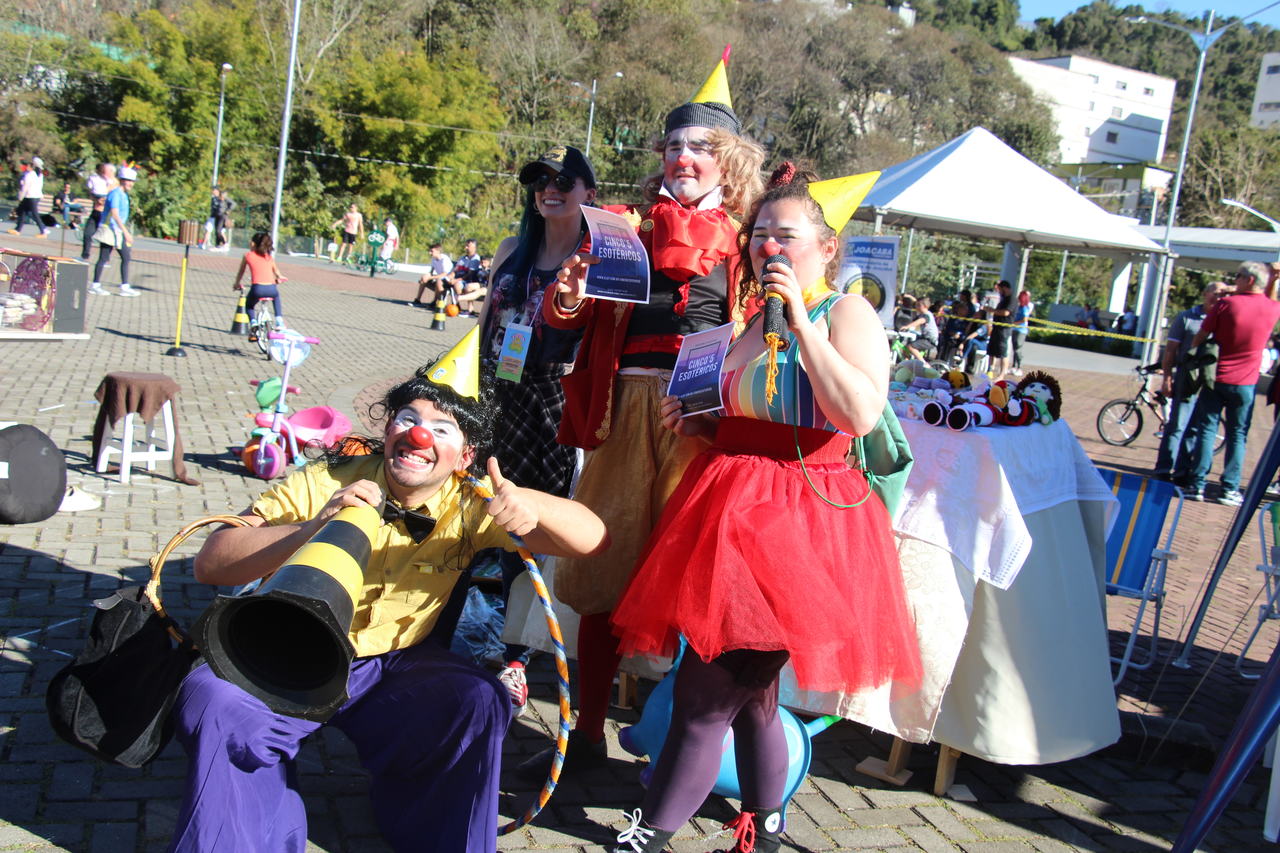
{"points": [[978, 186]]}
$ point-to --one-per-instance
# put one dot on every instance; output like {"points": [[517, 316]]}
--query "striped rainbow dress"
{"points": [[742, 389]]}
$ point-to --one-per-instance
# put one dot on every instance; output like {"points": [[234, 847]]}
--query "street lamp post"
{"points": [[1203, 41], [285, 116], [1275, 226], [222, 102], [591, 116], [591, 109]]}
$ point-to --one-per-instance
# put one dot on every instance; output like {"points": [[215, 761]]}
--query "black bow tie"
{"points": [[418, 524]]}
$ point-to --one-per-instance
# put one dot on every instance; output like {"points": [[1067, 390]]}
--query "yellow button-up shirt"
{"points": [[407, 583]]}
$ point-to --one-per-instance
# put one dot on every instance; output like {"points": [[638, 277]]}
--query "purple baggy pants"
{"points": [[428, 727]]}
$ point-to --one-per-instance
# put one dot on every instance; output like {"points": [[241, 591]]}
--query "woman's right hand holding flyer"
{"points": [[571, 282]]}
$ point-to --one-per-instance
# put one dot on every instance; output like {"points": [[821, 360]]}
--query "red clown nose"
{"points": [[421, 437], [771, 247]]}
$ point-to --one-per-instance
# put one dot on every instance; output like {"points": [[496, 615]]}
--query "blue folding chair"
{"points": [[1269, 534], [1136, 559]]}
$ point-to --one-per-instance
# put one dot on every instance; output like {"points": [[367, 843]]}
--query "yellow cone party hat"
{"points": [[716, 89], [711, 106], [459, 368], [840, 197]]}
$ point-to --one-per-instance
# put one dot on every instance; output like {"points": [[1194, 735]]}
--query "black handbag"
{"points": [[114, 699]]}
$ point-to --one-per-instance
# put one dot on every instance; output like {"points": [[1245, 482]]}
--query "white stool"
{"points": [[125, 445]]}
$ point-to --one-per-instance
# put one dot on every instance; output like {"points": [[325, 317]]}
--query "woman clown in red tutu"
{"points": [[772, 549]]}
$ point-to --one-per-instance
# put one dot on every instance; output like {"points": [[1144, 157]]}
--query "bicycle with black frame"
{"points": [[1120, 421]]}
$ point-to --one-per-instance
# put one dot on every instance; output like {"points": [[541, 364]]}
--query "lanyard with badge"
{"points": [[515, 343]]}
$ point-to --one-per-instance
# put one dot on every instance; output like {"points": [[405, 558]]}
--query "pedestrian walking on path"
{"points": [[100, 184], [30, 191], [114, 234]]}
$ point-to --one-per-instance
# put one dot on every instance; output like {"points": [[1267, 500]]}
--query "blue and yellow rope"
{"points": [[562, 670]]}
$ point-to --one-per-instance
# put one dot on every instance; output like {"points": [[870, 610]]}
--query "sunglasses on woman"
{"points": [[563, 182]]}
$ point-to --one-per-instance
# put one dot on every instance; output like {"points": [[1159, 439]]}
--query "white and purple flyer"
{"points": [[623, 271], [696, 377]]}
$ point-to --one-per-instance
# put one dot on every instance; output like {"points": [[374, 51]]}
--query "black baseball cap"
{"points": [[563, 159]]}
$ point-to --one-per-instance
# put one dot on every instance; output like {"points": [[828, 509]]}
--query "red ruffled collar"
{"points": [[685, 243]]}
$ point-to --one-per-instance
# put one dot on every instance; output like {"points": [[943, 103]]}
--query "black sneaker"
{"points": [[1190, 494], [581, 756]]}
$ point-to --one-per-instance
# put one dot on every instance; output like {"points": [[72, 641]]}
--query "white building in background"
{"points": [[1266, 97], [1105, 113]]}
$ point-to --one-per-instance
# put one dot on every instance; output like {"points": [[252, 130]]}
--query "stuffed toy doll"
{"points": [[1014, 411], [1042, 392], [1001, 404]]}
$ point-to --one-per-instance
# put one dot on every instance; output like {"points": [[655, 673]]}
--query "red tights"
{"points": [[598, 661]]}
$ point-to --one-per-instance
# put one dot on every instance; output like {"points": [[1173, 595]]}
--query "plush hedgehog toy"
{"points": [[1042, 391]]}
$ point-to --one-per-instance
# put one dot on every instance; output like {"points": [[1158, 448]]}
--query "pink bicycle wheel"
{"points": [[269, 461]]}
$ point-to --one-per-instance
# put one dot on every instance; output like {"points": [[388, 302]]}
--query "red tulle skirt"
{"points": [[748, 556]]}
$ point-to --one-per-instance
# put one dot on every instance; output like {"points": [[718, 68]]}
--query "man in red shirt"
{"points": [[1241, 325]]}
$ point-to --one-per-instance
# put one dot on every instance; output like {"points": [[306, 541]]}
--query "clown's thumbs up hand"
{"points": [[512, 507]]}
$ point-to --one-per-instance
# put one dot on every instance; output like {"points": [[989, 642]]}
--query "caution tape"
{"points": [[1080, 330], [1051, 326]]}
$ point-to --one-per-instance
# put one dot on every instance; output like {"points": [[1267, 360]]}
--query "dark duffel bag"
{"points": [[114, 699]]}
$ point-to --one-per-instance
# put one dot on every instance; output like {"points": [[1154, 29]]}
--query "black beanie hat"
{"points": [[708, 114]]}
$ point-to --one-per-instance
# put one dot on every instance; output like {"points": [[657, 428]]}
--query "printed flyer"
{"points": [[623, 271], [696, 377]]}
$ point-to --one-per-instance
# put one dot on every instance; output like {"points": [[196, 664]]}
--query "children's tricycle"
{"points": [[278, 440]]}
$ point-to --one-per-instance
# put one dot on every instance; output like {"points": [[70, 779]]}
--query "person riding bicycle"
{"points": [[905, 312], [925, 345], [264, 276]]}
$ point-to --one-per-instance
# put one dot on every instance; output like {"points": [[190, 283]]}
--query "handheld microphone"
{"points": [[775, 317]]}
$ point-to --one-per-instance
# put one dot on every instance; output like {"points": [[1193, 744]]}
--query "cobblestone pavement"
{"points": [[1131, 797]]}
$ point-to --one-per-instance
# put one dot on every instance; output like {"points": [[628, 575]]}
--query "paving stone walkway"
{"points": [[1131, 797]]}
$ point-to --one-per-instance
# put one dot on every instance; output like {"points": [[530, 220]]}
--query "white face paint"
{"points": [[443, 429], [414, 473], [689, 167], [784, 227]]}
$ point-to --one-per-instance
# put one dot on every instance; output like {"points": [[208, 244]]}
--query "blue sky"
{"points": [[1032, 9]]}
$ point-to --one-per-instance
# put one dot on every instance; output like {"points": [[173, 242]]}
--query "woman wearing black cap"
{"points": [[527, 385]]}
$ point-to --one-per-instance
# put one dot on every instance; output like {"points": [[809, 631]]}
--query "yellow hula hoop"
{"points": [[562, 671]]}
